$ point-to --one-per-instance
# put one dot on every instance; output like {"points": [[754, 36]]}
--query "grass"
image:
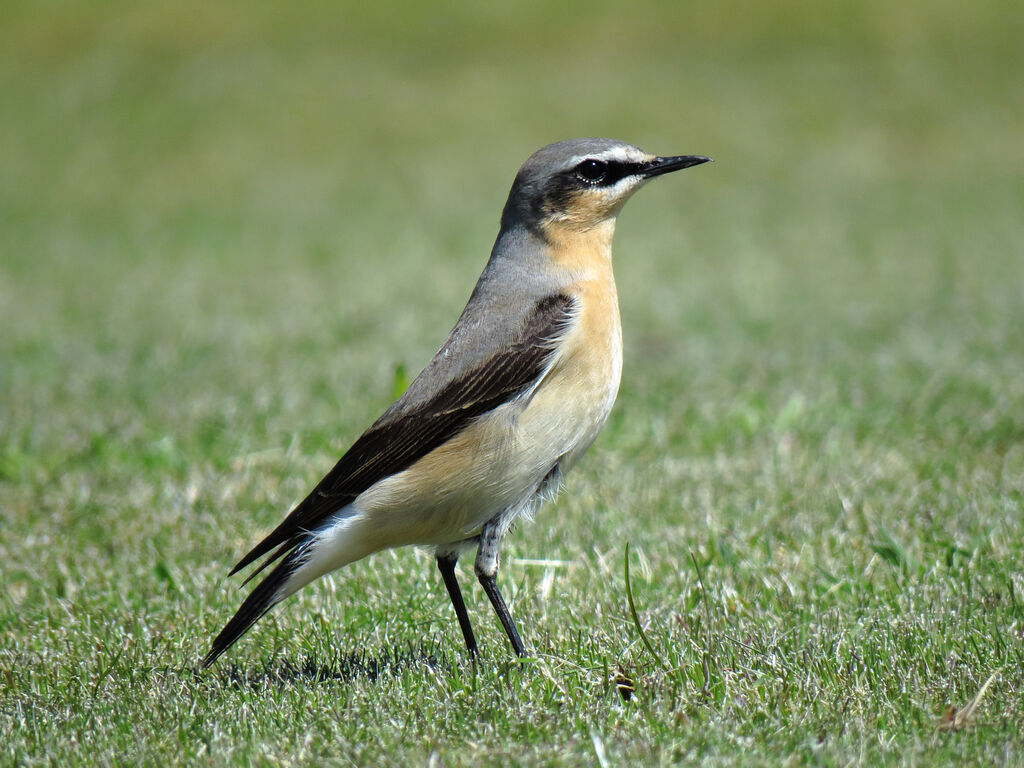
{"points": [[227, 237]]}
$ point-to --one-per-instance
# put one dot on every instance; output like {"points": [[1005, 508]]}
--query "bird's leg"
{"points": [[446, 564], [487, 571]]}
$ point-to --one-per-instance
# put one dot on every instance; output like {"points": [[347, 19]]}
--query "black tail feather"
{"points": [[290, 544], [284, 543], [260, 600]]}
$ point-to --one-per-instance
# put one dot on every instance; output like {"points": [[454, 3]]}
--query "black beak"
{"points": [[660, 165]]}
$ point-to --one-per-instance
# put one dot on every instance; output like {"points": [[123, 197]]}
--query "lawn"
{"points": [[230, 234]]}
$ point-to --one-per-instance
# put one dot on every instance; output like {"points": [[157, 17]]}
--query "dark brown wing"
{"points": [[393, 444]]}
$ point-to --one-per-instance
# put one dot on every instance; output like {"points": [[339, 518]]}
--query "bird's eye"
{"points": [[591, 171]]}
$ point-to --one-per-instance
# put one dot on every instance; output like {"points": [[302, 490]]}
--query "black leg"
{"points": [[491, 588], [446, 564], [487, 572]]}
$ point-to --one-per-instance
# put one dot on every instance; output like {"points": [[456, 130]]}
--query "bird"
{"points": [[513, 398]]}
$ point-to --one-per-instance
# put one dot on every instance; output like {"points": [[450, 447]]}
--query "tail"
{"points": [[272, 590]]}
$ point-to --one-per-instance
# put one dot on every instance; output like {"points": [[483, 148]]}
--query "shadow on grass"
{"points": [[347, 667]]}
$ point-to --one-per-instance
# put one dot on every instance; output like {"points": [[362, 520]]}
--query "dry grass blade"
{"points": [[954, 719]]}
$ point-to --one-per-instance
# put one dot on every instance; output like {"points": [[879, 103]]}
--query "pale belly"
{"points": [[496, 464]]}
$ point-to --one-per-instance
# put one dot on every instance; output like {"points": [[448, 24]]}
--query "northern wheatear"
{"points": [[516, 394]]}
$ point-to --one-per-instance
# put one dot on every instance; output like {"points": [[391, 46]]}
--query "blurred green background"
{"points": [[184, 177], [230, 232]]}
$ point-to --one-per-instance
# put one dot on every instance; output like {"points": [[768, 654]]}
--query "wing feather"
{"points": [[403, 435]]}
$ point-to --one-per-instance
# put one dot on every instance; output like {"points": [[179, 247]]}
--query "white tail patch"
{"points": [[338, 544]]}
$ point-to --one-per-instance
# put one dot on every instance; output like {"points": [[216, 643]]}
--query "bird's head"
{"points": [[579, 184]]}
